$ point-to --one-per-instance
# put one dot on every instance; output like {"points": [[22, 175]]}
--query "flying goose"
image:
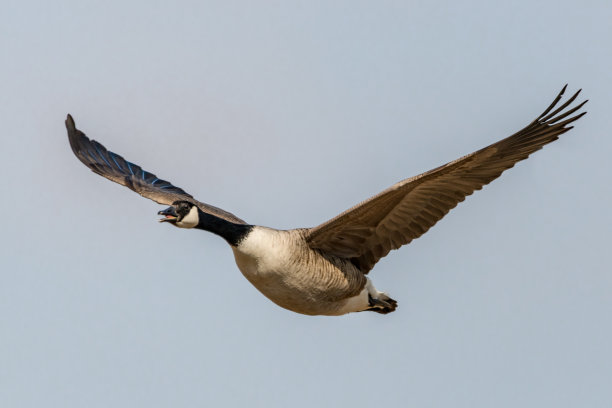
{"points": [[323, 270]]}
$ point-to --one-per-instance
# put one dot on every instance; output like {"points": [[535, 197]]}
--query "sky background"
{"points": [[287, 113]]}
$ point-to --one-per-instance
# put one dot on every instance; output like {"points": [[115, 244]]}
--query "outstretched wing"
{"points": [[406, 210], [116, 168]]}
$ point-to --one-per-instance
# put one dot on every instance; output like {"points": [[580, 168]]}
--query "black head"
{"points": [[181, 214]]}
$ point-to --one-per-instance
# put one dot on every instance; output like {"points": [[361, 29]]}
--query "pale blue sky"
{"points": [[287, 113]]}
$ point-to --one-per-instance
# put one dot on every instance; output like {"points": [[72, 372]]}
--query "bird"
{"points": [[324, 270]]}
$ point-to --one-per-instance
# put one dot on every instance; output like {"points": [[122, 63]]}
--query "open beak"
{"points": [[169, 215]]}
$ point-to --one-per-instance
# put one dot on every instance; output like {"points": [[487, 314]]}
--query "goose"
{"points": [[323, 270]]}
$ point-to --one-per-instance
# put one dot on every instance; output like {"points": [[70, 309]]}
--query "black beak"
{"points": [[169, 214]]}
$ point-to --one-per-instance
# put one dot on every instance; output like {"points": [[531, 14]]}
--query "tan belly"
{"points": [[311, 287]]}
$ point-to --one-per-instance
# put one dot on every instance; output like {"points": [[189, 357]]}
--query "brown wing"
{"points": [[406, 210], [116, 168]]}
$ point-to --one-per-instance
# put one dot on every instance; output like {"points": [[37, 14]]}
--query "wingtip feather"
{"points": [[70, 125]]}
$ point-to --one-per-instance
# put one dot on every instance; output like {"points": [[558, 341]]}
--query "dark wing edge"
{"points": [[368, 231], [115, 168]]}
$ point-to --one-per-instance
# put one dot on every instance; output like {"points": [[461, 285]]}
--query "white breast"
{"points": [[265, 251]]}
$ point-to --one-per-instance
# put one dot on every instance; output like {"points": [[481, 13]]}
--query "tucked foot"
{"points": [[383, 304]]}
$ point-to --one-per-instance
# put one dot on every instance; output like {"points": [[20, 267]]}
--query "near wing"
{"points": [[116, 168], [406, 210]]}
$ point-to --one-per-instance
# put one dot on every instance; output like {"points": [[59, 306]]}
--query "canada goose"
{"points": [[322, 270]]}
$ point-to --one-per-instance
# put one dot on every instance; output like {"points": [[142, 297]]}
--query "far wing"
{"points": [[116, 168]]}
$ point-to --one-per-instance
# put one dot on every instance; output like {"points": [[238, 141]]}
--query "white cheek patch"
{"points": [[190, 220]]}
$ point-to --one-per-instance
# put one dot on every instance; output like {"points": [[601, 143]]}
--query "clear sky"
{"points": [[286, 113]]}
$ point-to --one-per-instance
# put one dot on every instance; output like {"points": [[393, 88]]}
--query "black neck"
{"points": [[232, 233]]}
